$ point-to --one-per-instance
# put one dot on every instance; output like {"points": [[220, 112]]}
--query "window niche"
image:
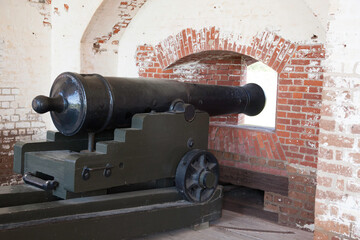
{"points": [[265, 77]]}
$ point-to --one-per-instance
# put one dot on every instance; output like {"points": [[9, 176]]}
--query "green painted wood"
{"points": [[22, 194], [118, 223], [151, 149], [87, 205], [54, 141]]}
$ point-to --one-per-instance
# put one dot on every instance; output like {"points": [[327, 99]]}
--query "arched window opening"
{"points": [[266, 77]]}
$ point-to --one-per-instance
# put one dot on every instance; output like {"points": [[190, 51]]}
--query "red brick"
{"points": [[312, 96], [271, 207], [281, 114], [283, 108], [298, 82], [282, 101], [268, 196], [313, 69], [320, 235], [353, 187], [338, 155], [314, 90], [328, 195], [291, 154], [299, 69], [335, 168], [281, 121], [296, 109], [313, 83], [326, 153], [298, 89], [300, 62], [296, 115], [324, 181], [340, 184], [332, 226], [284, 95], [283, 134], [302, 179], [297, 95], [295, 129], [355, 157], [310, 151], [309, 158], [307, 215], [296, 102], [355, 129], [309, 164], [311, 110], [285, 82], [283, 75], [288, 210], [298, 75], [298, 196], [337, 141]]}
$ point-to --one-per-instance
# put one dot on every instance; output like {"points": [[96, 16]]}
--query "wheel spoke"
{"points": [[191, 183], [211, 166], [195, 168], [202, 161], [198, 194]]}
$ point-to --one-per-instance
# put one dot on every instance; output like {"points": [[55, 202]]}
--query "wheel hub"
{"points": [[207, 179]]}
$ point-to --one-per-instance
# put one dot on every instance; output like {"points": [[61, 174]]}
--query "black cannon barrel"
{"points": [[92, 103]]}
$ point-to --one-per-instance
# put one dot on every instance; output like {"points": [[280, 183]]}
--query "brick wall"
{"points": [[338, 176], [17, 123], [291, 150], [24, 73]]}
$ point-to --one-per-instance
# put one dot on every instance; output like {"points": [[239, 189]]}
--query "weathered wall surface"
{"points": [[295, 21], [38, 40], [99, 43], [24, 72], [338, 176], [69, 19]]}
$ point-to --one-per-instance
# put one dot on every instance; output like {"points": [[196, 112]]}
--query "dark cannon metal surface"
{"points": [[92, 103]]}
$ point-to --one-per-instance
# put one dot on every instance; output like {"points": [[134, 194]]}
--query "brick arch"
{"points": [[266, 47], [290, 150]]}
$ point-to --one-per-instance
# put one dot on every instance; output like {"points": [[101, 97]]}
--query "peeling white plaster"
{"points": [[312, 145], [67, 32], [313, 63], [304, 170], [310, 227]]}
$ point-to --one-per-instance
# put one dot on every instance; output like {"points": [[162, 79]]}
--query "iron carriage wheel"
{"points": [[197, 175]]}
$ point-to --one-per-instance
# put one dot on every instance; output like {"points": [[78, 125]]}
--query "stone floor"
{"points": [[236, 226]]}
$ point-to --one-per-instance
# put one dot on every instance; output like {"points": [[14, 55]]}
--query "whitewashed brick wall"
{"points": [[338, 176]]}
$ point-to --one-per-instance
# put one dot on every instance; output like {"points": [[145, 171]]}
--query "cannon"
{"points": [[145, 139], [93, 103]]}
